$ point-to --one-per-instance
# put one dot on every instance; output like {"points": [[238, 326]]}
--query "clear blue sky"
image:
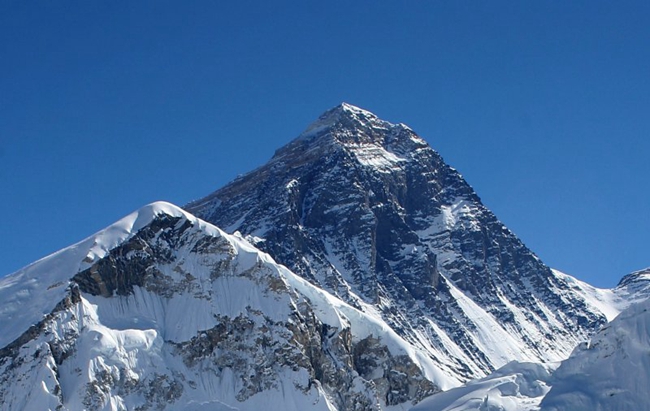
{"points": [[543, 106]]}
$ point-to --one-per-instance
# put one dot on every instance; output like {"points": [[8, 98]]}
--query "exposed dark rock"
{"points": [[11, 350], [131, 263]]}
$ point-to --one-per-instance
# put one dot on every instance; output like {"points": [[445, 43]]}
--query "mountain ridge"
{"points": [[108, 390], [356, 270]]}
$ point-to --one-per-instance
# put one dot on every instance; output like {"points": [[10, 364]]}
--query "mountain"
{"points": [[366, 210], [164, 311], [356, 271]]}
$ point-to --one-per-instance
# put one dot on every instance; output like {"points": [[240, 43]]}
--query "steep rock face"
{"points": [[368, 211], [168, 312]]}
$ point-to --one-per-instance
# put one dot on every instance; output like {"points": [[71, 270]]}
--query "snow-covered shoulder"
{"points": [[33, 291]]}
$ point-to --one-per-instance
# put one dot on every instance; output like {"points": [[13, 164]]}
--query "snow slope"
{"points": [[32, 292], [163, 310], [514, 387], [633, 288], [611, 371]]}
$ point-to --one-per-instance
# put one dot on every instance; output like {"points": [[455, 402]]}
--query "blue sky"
{"points": [[543, 107]]}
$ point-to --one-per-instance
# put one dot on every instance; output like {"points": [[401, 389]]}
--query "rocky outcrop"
{"points": [[10, 352], [133, 263]]}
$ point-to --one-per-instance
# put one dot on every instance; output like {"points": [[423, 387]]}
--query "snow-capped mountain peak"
{"points": [[353, 127], [343, 114], [367, 276], [368, 211]]}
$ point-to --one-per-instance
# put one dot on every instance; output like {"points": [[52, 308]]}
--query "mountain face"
{"points": [[381, 280], [164, 311], [366, 210]]}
